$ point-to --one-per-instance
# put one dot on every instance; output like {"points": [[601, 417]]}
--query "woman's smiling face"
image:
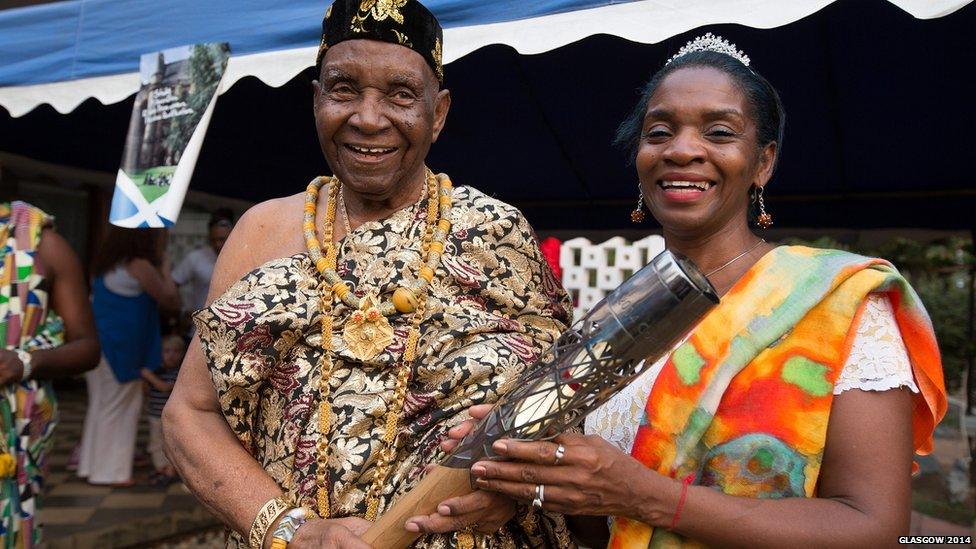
{"points": [[698, 155]]}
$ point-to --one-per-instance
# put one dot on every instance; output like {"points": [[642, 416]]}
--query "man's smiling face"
{"points": [[378, 108]]}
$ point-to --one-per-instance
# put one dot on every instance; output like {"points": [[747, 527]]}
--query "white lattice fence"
{"points": [[590, 271]]}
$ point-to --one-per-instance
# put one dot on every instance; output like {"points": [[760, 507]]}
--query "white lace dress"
{"points": [[878, 362]]}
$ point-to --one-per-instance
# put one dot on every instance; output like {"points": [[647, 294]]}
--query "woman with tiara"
{"points": [[790, 414]]}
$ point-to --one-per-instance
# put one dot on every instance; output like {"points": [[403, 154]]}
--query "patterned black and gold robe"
{"points": [[494, 306]]}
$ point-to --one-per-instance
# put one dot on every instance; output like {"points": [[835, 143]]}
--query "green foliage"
{"points": [[939, 271], [206, 65]]}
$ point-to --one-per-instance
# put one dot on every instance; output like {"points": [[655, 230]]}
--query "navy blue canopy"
{"points": [[880, 123]]}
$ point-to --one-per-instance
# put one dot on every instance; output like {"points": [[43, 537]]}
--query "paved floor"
{"points": [[924, 525], [76, 514]]}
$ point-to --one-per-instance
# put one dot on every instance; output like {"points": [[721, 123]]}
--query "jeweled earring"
{"points": [[764, 219], [637, 216]]}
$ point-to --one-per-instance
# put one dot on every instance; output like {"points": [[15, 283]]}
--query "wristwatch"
{"points": [[25, 358], [287, 527]]}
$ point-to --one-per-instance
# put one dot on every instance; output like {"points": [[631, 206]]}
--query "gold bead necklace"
{"points": [[366, 329]]}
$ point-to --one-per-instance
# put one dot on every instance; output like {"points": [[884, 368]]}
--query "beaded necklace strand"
{"points": [[411, 299]]}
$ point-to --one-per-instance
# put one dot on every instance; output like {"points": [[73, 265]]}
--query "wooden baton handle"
{"points": [[439, 484]]}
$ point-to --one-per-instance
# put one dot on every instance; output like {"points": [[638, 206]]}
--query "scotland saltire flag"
{"points": [[169, 120]]}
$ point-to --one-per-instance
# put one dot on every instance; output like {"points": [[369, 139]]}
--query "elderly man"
{"points": [[351, 325]]}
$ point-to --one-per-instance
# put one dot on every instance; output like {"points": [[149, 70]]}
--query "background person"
{"points": [[196, 268], [790, 415], [46, 331], [131, 284], [160, 384]]}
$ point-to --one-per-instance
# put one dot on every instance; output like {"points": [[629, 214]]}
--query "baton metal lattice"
{"points": [[610, 347]]}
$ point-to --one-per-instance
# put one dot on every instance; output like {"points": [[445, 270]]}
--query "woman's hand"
{"points": [[11, 368], [341, 533], [484, 512], [592, 478]]}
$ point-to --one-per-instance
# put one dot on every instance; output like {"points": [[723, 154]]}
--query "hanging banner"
{"points": [[169, 120]]}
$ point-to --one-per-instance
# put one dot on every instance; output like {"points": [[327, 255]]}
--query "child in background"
{"points": [[160, 385]]}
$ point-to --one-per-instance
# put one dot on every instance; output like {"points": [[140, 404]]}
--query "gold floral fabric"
{"points": [[494, 306]]}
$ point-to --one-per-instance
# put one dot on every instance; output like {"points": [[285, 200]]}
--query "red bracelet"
{"points": [[681, 500]]}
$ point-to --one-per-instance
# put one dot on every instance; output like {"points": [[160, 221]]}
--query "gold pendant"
{"points": [[367, 331]]}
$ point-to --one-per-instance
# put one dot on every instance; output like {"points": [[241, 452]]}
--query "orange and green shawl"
{"points": [[743, 405]]}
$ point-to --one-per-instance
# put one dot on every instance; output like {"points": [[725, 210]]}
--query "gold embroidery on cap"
{"points": [[438, 63], [322, 48], [402, 39], [379, 10]]}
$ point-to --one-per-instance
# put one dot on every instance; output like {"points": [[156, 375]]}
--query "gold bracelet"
{"points": [[266, 517]]}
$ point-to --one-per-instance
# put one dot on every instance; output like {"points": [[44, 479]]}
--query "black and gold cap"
{"points": [[404, 22]]}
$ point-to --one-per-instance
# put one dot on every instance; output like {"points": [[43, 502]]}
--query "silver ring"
{"points": [[560, 454]]}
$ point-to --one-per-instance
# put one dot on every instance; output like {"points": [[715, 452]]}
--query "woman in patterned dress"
{"points": [[47, 331], [790, 415]]}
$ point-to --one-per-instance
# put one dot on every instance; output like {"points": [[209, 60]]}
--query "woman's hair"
{"points": [[764, 102], [121, 245]]}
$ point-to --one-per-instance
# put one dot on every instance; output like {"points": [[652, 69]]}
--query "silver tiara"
{"points": [[710, 42]]}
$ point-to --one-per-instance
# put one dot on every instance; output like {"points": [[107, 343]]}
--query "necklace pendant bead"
{"points": [[322, 264], [340, 289], [367, 332], [404, 300]]}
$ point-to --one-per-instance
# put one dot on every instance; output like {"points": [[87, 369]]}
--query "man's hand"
{"points": [[461, 430], [11, 368], [481, 511], [342, 533], [484, 512]]}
